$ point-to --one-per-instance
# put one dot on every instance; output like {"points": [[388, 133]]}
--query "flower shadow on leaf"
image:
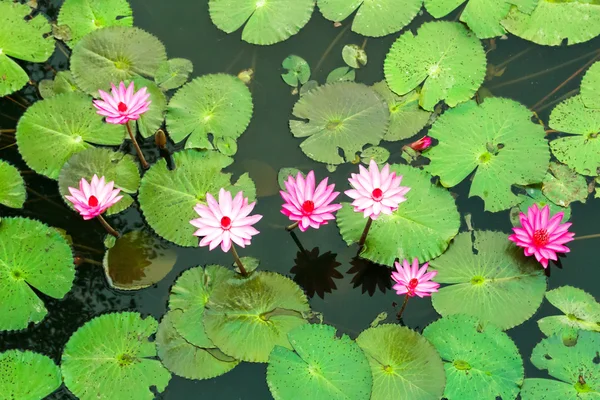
{"points": [[370, 275], [316, 273]]}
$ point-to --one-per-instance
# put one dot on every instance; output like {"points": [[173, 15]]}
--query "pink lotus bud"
{"points": [[421, 144]]}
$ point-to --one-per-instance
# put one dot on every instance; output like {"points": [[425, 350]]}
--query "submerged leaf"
{"points": [[354, 56], [590, 87], [298, 71], [379, 154], [341, 74], [563, 186], [284, 173], [173, 73], [27, 375], [12, 186], [535, 196], [63, 82]]}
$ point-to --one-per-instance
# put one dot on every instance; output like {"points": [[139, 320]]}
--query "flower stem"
{"points": [[297, 241], [137, 147], [363, 237], [107, 226], [594, 236], [399, 315], [238, 261], [292, 226]]}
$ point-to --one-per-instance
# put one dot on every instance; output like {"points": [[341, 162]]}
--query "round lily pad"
{"points": [[445, 55], [341, 74], [247, 319], [137, 260], [173, 73], [342, 116], [115, 54], [24, 39], [183, 358], [374, 18], [404, 364], [12, 186], [535, 196], [574, 365], [590, 87], [114, 166], [379, 154], [111, 357], [354, 56], [406, 117], [553, 21], [581, 310], [298, 71], [217, 104], [168, 197], [319, 366], [63, 82], [481, 361], [496, 284], [85, 16], [421, 227], [32, 255], [498, 140], [27, 375], [150, 121], [46, 144], [581, 150], [266, 21], [562, 185]]}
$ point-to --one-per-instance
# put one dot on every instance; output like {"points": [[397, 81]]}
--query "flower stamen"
{"points": [[93, 201], [226, 223], [377, 194], [308, 207], [540, 238], [122, 107]]}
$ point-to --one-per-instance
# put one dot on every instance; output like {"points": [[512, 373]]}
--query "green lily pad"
{"points": [[421, 227], [150, 121], [404, 364], [167, 198], [553, 21], [189, 294], [341, 74], [115, 54], [114, 166], [267, 21], [498, 140], [535, 196], [12, 186], [32, 255], [497, 284], [319, 366], [137, 260], [406, 117], [173, 73], [63, 82], [581, 150], [218, 104], [581, 311], [85, 16], [379, 154], [21, 38], [354, 56], [46, 144], [562, 185], [481, 361], [308, 86], [482, 16], [226, 145], [247, 319], [590, 87], [344, 115], [445, 55], [283, 175], [27, 375], [374, 18], [183, 358], [575, 367], [111, 357], [298, 71]]}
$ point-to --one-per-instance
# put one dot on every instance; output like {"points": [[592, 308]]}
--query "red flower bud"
{"points": [[421, 144]]}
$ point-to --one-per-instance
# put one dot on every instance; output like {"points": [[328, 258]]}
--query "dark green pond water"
{"points": [[359, 290]]}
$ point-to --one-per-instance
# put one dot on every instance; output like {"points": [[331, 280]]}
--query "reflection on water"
{"points": [[315, 272], [370, 276]]}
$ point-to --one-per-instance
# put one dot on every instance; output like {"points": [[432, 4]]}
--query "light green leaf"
{"points": [[12, 186], [344, 115], [563, 186], [267, 21], [582, 150], [173, 73], [115, 54], [354, 56], [421, 227], [167, 198], [150, 121], [535, 196], [62, 83], [553, 21], [112, 358], [590, 87], [319, 366], [574, 365], [379, 154], [374, 17], [226, 145], [13, 77], [114, 166], [85, 16], [498, 140], [247, 319], [27, 375], [341, 74], [32, 255], [404, 364], [496, 284], [298, 71], [308, 86], [445, 55], [481, 361]]}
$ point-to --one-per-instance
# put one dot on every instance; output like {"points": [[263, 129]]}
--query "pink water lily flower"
{"points": [[308, 206], [123, 104], [414, 281], [541, 235], [375, 192], [225, 221], [92, 199]]}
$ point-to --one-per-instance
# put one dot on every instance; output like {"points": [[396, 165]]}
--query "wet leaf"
{"points": [[297, 71], [341, 74], [563, 186], [173, 73], [379, 154], [27, 375], [354, 56]]}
